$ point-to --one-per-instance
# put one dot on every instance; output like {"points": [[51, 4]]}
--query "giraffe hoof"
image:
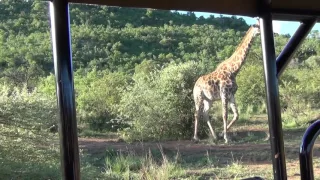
{"points": [[267, 138], [227, 141], [215, 141], [195, 139]]}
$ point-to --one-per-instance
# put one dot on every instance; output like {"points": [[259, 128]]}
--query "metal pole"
{"points": [[306, 150], [273, 103], [61, 41], [293, 44]]}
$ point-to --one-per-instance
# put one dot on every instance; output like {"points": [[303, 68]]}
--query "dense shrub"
{"points": [[24, 119], [161, 106], [313, 62], [250, 96], [98, 95], [27, 148], [299, 93], [22, 108]]}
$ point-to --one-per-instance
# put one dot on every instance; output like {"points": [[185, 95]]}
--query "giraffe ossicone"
{"points": [[221, 84]]}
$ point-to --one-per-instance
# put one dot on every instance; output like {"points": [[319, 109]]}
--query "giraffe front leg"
{"points": [[197, 115], [234, 109], [210, 127], [225, 117], [196, 120]]}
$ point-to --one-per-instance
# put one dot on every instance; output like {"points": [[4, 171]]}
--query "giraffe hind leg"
{"points": [[234, 109], [224, 101]]}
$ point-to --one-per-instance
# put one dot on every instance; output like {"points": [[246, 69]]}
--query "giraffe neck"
{"points": [[239, 56]]}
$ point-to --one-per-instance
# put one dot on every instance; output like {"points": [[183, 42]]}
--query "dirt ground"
{"points": [[254, 154]]}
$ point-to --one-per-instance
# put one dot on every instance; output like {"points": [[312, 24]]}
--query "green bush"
{"points": [[97, 97], [25, 150], [313, 62], [250, 96], [160, 105], [299, 94], [22, 108]]}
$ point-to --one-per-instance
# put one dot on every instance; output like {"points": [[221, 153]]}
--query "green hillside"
{"points": [[134, 71]]}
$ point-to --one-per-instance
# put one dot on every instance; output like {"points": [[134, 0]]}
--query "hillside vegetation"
{"points": [[142, 63], [134, 70]]}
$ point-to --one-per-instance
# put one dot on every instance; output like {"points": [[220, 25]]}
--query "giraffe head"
{"points": [[256, 28]]}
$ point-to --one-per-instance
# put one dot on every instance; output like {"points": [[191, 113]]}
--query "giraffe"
{"points": [[221, 84]]}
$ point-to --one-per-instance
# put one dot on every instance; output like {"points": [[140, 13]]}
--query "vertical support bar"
{"points": [[306, 151], [273, 102], [61, 41], [293, 44]]}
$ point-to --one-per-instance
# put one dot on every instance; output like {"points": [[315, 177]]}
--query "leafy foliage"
{"points": [[134, 74], [300, 94], [23, 129], [106, 39], [18, 106], [27, 148], [135, 68], [98, 95], [160, 106], [251, 92]]}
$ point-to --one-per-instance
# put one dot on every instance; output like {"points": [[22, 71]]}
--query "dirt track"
{"points": [[254, 154], [189, 148]]}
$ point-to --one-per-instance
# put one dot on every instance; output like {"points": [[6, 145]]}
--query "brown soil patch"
{"points": [[255, 156]]}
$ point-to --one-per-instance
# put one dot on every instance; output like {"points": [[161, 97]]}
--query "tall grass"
{"points": [[129, 165]]}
